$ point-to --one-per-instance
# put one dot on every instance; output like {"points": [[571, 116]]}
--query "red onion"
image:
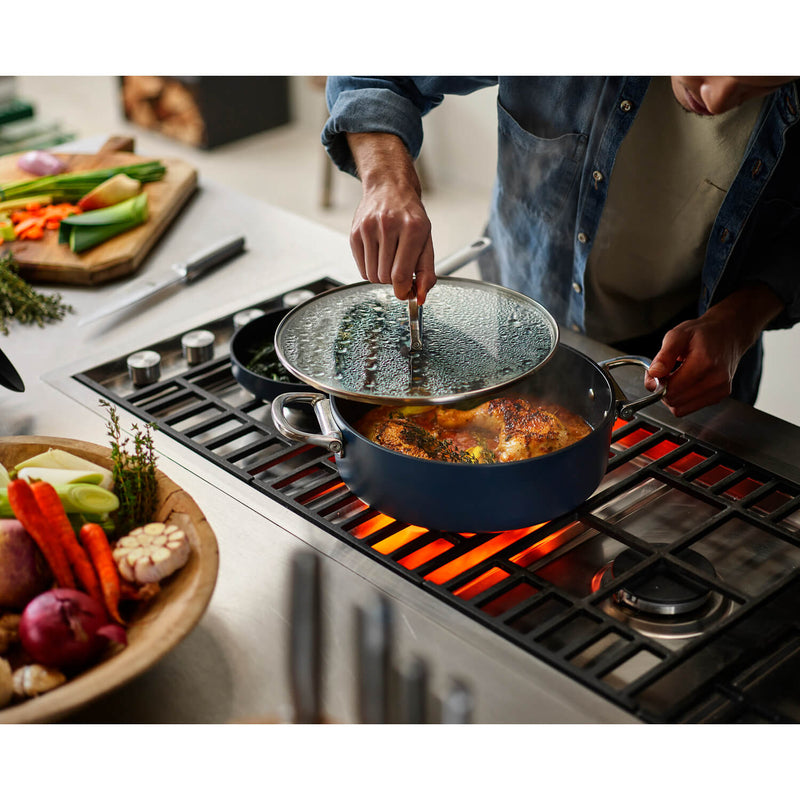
{"points": [[66, 628], [40, 162]]}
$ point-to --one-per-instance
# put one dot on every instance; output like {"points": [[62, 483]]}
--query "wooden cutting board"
{"points": [[47, 261]]}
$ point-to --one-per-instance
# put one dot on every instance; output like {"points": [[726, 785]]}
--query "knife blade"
{"points": [[182, 273], [9, 377]]}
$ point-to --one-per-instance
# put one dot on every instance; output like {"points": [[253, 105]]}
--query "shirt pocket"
{"points": [[537, 176]]}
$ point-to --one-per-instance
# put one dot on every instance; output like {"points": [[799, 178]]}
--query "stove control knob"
{"points": [[144, 367], [241, 318], [197, 346], [291, 299]]}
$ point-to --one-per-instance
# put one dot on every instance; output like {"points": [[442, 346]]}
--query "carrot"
{"points": [[95, 541], [61, 528], [26, 510], [34, 232], [34, 219], [30, 222]]}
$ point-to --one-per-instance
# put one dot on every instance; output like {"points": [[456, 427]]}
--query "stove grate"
{"points": [[546, 588]]}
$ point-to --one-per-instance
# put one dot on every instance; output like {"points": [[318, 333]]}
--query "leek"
{"points": [[77, 498], [71, 186], [82, 231]]}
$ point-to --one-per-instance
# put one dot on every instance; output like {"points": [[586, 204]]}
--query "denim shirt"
{"points": [[557, 141]]}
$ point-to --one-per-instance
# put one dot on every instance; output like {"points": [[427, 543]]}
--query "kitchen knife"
{"points": [[9, 377], [180, 273]]}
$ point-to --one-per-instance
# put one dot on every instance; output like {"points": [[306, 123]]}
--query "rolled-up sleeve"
{"points": [[384, 105]]}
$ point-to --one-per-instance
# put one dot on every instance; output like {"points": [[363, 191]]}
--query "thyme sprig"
{"points": [[134, 472], [20, 301]]}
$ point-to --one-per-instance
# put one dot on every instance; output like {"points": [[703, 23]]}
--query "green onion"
{"points": [[71, 186], [82, 231]]}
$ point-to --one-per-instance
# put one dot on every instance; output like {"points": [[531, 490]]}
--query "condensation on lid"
{"points": [[354, 342]]}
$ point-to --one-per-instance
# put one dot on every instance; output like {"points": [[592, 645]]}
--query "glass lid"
{"points": [[355, 342]]}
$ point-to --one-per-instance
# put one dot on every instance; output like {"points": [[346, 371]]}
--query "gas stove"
{"points": [[673, 592]]}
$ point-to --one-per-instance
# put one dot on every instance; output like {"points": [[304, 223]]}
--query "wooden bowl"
{"points": [[159, 624]]}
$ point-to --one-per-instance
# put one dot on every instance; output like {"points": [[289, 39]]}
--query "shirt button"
{"points": [[576, 287], [626, 105], [597, 175], [583, 238]]}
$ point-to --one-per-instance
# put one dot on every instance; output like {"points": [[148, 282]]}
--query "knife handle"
{"points": [[212, 256]]}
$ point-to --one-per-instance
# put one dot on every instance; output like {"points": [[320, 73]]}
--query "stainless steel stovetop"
{"points": [[672, 593]]}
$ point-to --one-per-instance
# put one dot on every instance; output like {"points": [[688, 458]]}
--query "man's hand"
{"points": [[699, 357], [391, 233]]}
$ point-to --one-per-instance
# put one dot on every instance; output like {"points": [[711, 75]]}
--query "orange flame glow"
{"points": [[543, 547], [486, 549], [397, 540], [481, 583]]}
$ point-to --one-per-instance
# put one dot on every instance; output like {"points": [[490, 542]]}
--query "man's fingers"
{"points": [[426, 274], [412, 254]]}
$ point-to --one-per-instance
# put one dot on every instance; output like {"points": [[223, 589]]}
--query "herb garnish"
{"points": [[20, 301], [265, 362], [135, 481]]}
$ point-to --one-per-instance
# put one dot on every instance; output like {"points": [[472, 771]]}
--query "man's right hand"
{"points": [[391, 233]]}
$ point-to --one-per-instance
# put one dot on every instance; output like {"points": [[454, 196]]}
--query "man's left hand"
{"points": [[699, 357]]}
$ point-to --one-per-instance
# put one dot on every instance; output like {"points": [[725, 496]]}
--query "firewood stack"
{"points": [[209, 110], [164, 105]]}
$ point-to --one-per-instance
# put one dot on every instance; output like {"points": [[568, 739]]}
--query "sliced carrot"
{"points": [[36, 232], [31, 222], [24, 225], [60, 527], [27, 511]]}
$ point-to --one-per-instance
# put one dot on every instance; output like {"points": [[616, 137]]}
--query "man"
{"points": [[659, 215]]}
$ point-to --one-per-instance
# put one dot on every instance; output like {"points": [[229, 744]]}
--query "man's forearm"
{"points": [[752, 308], [383, 158]]}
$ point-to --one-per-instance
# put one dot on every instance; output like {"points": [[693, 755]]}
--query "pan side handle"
{"points": [[331, 436], [625, 408]]}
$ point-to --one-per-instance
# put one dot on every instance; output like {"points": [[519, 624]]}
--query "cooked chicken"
{"points": [[522, 430], [503, 429], [405, 436]]}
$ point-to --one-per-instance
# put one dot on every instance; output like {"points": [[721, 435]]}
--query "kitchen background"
{"points": [[286, 166]]}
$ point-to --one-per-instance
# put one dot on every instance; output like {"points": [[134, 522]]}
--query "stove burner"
{"points": [[661, 592], [660, 604]]}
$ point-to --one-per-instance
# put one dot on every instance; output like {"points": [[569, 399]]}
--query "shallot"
{"points": [[40, 162], [66, 628]]}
